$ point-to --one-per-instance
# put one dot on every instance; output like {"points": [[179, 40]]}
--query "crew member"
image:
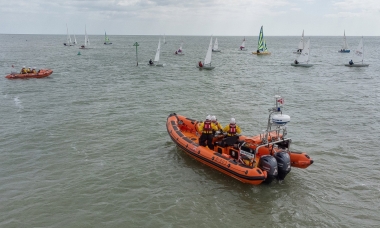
{"points": [[200, 64], [232, 129], [351, 62], [150, 62], [23, 70], [216, 123], [206, 128]]}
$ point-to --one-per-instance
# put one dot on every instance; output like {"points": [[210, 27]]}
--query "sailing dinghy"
{"points": [[75, 40], [86, 40], [180, 50], [261, 45], [242, 46], [303, 58], [156, 61], [68, 38], [106, 39], [300, 45], [207, 63], [345, 46], [358, 56], [215, 48]]}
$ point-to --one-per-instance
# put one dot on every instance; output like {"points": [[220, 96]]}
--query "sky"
{"points": [[192, 17]]}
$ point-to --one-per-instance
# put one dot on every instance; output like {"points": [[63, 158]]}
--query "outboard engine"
{"points": [[269, 164], [283, 162]]}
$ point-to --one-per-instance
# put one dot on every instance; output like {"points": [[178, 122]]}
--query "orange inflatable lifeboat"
{"points": [[252, 160], [42, 73]]}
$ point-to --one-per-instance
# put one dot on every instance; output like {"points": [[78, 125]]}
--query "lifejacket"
{"points": [[207, 127], [232, 130], [200, 64]]}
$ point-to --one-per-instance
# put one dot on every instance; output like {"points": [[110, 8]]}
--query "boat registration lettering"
{"points": [[221, 161]]}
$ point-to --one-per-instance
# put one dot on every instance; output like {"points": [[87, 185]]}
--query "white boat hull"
{"points": [[356, 65], [302, 65], [206, 67], [179, 53], [296, 52]]}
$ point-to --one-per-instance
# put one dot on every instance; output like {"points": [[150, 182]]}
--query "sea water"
{"points": [[88, 146]]}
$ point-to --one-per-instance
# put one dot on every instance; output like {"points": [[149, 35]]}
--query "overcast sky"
{"points": [[192, 17]]}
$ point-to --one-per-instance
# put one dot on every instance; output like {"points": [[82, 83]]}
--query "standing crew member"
{"points": [[232, 129], [206, 128]]}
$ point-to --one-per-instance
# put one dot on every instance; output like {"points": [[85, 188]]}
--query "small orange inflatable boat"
{"points": [[253, 160], [41, 74]]}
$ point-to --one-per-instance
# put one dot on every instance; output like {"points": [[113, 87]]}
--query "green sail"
{"points": [[260, 45]]}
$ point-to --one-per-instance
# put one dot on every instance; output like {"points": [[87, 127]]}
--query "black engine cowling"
{"points": [[283, 162], [269, 164]]}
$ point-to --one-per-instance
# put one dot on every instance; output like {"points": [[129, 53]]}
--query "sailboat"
{"points": [[68, 38], [358, 56], [156, 61], [106, 39], [75, 40], [164, 39], [215, 48], [207, 62], [300, 45], [345, 46], [303, 59], [86, 40], [180, 50], [261, 45], [242, 46]]}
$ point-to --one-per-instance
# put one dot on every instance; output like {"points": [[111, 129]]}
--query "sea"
{"points": [[88, 146]]}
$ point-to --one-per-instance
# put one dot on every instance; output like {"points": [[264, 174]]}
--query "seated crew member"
{"points": [[351, 62], [295, 61], [206, 128], [200, 64], [150, 62], [34, 70]]}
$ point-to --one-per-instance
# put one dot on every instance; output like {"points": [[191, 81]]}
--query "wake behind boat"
{"points": [[261, 45], [249, 159], [358, 56], [303, 59], [207, 62]]}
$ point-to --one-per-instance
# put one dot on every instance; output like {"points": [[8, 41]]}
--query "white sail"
{"points": [[345, 46], [243, 44], [180, 47], [301, 43], [208, 55], [85, 36], [304, 56], [216, 44], [157, 57], [359, 53], [68, 38], [75, 40]]}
